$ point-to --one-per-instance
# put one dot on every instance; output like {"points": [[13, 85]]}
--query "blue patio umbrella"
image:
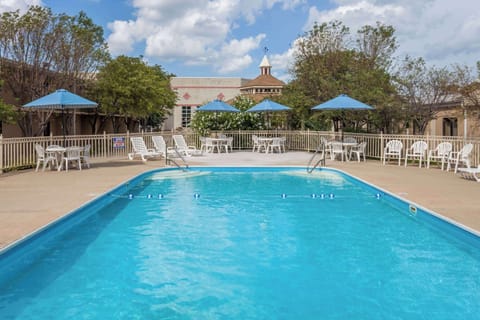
{"points": [[218, 106], [268, 106], [343, 102], [61, 99]]}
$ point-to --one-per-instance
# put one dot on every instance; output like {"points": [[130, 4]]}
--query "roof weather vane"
{"points": [[265, 49]]}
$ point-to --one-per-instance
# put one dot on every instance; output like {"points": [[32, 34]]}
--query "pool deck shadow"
{"points": [[30, 200]]}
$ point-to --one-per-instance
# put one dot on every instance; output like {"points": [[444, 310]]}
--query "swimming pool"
{"points": [[244, 243]]}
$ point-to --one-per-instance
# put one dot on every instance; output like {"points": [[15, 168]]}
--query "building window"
{"points": [[450, 127], [186, 116]]}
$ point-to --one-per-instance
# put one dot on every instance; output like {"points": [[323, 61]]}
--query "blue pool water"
{"points": [[248, 243]]}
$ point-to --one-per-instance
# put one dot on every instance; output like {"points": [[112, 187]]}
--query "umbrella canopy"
{"points": [[342, 102], [218, 106], [61, 99], [268, 105]]}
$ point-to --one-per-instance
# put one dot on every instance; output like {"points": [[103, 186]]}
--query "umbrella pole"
{"points": [[63, 127]]}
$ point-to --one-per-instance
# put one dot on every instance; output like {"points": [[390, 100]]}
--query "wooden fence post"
{"points": [[381, 145], [127, 143], [1, 154], [105, 152]]}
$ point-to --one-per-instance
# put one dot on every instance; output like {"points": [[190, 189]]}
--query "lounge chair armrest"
{"points": [[453, 154]]}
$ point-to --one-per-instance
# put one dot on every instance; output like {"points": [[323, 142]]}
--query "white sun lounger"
{"points": [[183, 148], [140, 149], [470, 173], [161, 147]]}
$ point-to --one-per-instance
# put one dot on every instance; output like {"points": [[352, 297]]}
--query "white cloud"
{"points": [[235, 55], [22, 5], [441, 31], [281, 63], [122, 40], [198, 32]]}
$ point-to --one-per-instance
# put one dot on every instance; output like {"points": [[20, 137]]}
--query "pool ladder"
{"points": [[178, 155], [317, 159]]}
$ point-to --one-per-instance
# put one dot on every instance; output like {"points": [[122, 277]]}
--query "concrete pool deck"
{"points": [[29, 200]]}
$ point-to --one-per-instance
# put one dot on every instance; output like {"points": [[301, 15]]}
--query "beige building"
{"points": [[452, 120], [193, 92]]}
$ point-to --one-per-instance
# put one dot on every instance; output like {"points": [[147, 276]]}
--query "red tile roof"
{"points": [[264, 80]]}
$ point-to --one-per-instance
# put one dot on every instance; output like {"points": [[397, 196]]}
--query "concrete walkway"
{"points": [[30, 200]]}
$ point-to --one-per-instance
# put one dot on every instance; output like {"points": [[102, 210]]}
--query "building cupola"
{"points": [[265, 67]]}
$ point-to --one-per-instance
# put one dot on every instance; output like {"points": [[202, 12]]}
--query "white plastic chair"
{"points": [[440, 153], [337, 148], [221, 144], [210, 146], [183, 148], [416, 151], [462, 156], [230, 144], [140, 149], [393, 149], [328, 146], [283, 142], [48, 158], [257, 146], [85, 155], [203, 144], [359, 151], [72, 154], [276, 144]]}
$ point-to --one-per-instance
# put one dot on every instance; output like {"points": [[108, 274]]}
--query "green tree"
{"points": [[8, 114], [132, 93], [468, 87], [377, 44], [327, 65], [321, 60], [246, 120], [422, 89], [41, 51], [301, 113]]}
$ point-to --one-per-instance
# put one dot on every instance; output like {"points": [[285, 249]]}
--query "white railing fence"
{"points": [[17, 153]]}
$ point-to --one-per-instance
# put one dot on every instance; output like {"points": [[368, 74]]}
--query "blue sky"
{"points": [[227, 37]]}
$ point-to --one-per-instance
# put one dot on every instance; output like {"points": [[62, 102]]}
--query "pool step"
{"points": [[177, 174]]}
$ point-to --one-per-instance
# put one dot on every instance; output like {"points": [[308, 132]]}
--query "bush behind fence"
{"points": [[18, 153]]}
